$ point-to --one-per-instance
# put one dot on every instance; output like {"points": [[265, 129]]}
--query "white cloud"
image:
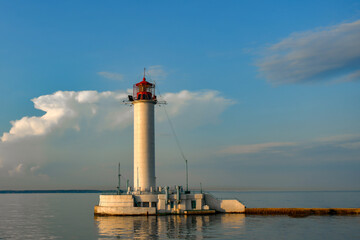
{"points": [[354, 76], [34, 168], [338, 138], [17, 170], [104, 110], [347, 141], [331, 53], [111, 75], [255, 148], [88, 96], [65, 109], [194, 108], [351, 145], [36, 143], [157, 72]]}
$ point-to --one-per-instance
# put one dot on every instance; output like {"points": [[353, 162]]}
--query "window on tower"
{"points": [[193, 204]]}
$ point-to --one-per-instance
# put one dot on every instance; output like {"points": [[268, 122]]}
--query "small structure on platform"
{"points": [[146, 198]]}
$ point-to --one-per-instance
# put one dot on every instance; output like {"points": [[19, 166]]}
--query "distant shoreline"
{"points": [[194, 190], [54, 191]]}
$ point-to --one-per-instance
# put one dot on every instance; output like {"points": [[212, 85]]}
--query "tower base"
{"points": [[160, 203]]}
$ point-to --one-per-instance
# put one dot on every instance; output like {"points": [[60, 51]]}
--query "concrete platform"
{"points": [[165, 203], [123, 211]]}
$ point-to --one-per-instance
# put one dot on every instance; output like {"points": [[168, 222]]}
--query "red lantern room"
{"points": [[144, 90]]}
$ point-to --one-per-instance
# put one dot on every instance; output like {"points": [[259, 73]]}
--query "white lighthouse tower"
{"points": [[144, 100], [145, 198]]}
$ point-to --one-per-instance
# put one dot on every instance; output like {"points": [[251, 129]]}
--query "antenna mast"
{"points": [[178, 144], [187, 176], [119, 175]]}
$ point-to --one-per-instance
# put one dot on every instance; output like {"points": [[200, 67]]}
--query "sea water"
{"points": [[70, 216]]}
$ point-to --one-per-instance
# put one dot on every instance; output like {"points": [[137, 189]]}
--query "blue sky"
{"points": [[263, 94]]}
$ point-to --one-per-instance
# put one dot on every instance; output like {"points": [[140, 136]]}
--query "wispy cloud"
{"points": [[351, 145], [17, 170], [348, 141], [324, 54], [256, 148], [338, 138], [111, 75], [157, 72], [353, 76], [191, 109], [329, 163]]}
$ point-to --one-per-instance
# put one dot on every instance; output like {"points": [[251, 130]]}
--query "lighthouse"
{"points": [[144, 100], [145, 198]]}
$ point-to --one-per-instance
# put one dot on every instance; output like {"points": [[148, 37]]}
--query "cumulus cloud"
{"points": [[36, 142], [331, 54], [34, 168], [256, 148], [199, 107], [66, 109], [111, 75]]}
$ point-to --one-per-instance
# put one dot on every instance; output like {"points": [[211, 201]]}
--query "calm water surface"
{"points": [[70, 216]]}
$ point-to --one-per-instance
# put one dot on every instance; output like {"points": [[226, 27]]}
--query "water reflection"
{"points": [[170, 226]]}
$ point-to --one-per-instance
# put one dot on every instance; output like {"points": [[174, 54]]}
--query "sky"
{"points": [[263, 95]]}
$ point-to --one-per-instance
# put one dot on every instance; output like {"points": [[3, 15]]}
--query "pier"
{"points": [[302, 212]]}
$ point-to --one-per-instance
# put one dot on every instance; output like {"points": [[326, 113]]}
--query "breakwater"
{"points": [[302, 212]]}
